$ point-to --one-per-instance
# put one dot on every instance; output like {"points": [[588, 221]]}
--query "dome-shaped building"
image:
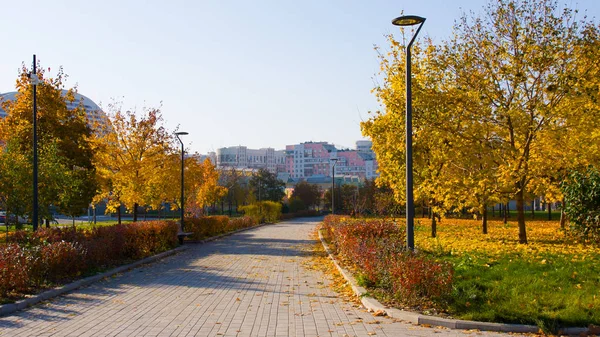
{"points": [[94, 114]]}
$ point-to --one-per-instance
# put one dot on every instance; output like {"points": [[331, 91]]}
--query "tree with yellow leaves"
{"points": [[519, 63], [201, 186], [66, 171], [131, 154], [500, 110]]}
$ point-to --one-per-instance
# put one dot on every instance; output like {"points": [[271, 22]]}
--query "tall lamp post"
{"points": [[334, 160], [403, 21], [177, 134], [33, 78]]}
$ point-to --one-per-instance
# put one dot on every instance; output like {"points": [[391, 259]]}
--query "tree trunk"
{"points": [[433, 226], [563, 216], [484, 216], [47, 223], [520, 198], [504, 207], [493, 211], [135, 212], [222, 206], [423, 210], [533, 209], [119, 214], [549, 211]]}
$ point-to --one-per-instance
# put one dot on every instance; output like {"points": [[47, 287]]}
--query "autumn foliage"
{"points": [[51, 255], [376, 249], [502, 110], [208, 226]]}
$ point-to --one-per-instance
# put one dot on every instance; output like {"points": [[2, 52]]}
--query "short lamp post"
{"points": [[403, 21], [177, 134], [334, 160]]}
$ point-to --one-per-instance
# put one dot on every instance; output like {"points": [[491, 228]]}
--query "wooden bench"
{"points": [[182, 235]]}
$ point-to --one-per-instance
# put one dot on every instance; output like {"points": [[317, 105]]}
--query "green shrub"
{"points": [[299, 214], [582, 198], [296, 204], [264, 211]]}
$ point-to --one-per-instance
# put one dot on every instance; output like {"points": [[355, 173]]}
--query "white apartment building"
{"points": [[242, 157]]}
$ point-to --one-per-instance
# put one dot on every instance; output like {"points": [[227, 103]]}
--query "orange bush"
{"points": [[376, 248], [207, 226], [58, 254]]}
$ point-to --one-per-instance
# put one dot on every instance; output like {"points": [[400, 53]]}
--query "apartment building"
{"points": [[304, 160], [315, 159], [242, 157]]}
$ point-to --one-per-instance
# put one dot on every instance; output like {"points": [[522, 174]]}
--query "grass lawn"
{"points": [[552, 281]]}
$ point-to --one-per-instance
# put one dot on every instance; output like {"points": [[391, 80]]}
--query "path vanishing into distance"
{"points": [[260, 282]]}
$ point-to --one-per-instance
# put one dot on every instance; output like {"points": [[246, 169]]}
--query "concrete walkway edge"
{"points": [[6, 309], [373, 305]]}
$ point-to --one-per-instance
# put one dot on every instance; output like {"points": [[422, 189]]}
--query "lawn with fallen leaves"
{"points": [[552, 281]]}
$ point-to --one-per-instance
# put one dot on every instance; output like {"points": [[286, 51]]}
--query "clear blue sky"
{"points": [[261, 73]]}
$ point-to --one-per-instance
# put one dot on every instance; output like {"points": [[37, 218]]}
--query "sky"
{"points": [[262, 73]]}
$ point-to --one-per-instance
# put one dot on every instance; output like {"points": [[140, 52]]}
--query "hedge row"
{"points": [[52, 255], [264, 211], [299, 214], [376, 249], [208, 226]]}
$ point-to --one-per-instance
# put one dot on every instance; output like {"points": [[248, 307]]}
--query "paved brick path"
{"points": [[253, 283]]}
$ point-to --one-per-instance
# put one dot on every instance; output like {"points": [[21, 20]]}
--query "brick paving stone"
{"points": [[252, 283]]}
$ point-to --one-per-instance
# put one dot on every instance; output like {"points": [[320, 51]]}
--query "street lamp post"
{"points": [[334, 160], [33, 78], [177, 134], [409, 20]]}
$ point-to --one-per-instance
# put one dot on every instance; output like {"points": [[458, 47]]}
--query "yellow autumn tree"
{"points": [[201, 186], [131, 153], [66, 173], [500, 110], [518, 61]]}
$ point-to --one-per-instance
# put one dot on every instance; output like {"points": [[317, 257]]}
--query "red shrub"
{"points": [[58, 254], [15, 266], [376, 248], [416, 277], [142, 239], [59, 261]]}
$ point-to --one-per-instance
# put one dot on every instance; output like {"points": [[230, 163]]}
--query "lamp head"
{"points": [[181, 133], [408, 20]]}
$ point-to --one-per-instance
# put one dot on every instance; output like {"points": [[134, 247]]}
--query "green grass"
{"points": [[513, 290]]}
